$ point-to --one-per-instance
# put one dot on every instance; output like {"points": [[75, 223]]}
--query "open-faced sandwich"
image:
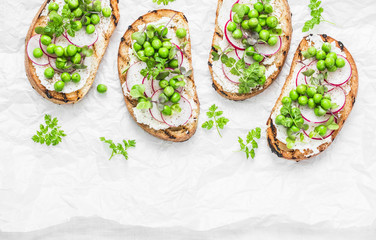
{"points": [[316, 99], [65, 44], [156, 75], [250, 46]]}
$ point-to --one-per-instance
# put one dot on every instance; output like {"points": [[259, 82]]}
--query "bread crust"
{"points": [[174, 134], [73, 97], [279, 148], [280, 57]]}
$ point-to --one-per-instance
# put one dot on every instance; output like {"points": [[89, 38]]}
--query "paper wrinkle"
{"points": [[203, 183]]}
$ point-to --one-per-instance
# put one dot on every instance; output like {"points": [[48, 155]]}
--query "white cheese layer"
{"points": [[223, 17], [101, 28]]}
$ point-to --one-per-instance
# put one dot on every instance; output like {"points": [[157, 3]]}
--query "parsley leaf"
{"points": [[249, 146], [119, 149], [165, 2], [50, 133], [316, 12], [217, 119]]}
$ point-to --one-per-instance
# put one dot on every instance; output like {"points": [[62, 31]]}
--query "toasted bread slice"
{"points": [[280, 6], [174, 134], [279, 147], [99, 49]]}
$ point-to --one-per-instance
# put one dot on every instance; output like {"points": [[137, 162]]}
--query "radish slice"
{"points": [[342, 75], [179, 56], [226, 70], [155, 85], [33, 44], [300, 78], [327, 135], [248, 60], [155, 113], [178, 119], [148, 87], [82, 38], [267, 50], [236, 43], [133, 75], [338, 96], [44, 49], [310, 116]]}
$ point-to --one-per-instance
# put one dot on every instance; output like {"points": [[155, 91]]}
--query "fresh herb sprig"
{"points": [[251, 143], [216, 119], [137, 92], [165, 2], [316, 11], [49, 133], [119, 149]]}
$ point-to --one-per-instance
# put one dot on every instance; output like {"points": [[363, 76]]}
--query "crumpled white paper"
{"points": [[201, 184]]}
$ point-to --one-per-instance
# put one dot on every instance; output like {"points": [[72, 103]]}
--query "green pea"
{"points": [[53, 7], [174, 63], [340, 62], [97, 6], [311, 103], [172, 83], [101, 88], [326, 47], [76, 77], [258, 6], [246, 9], [149, 51], [317, 98], [321, 89], [258, 28], [160, 29], [90, 29], [45, 40], [329, 62], [59, 86], [73, 4], [332, 55], [264, 35], [167, 110], [236, 18], [262, 80], [332, 69], [319, 111], [168, 91], [78, 12], [163, 83], [311, 91], [37, 53], [253, 13], [303, 100], [237, 34], [65, 77], [288, 122], [250, 51], [294, 129], [320, 55], [77, 25], [268, 8], [272, 41], [156, 44], [163, 52], [321, 65], [301, 89], [262, 22], [147, 44], [51, 48], [312, 51], [245, 25], [167, 44], [49, 73], [231, 26], [175, 98], [95, 19], [326, 104], [299, 121], [294, 95], [59, 51], [285, 111], [181, 32], [321, 130], [106, 12], [87, 21], [280, 119], [272, 22], [76, 59], [252, 23], [286, 101], [137, 47], [262, 70], [71, 50], [60, 64], [257, 57]]}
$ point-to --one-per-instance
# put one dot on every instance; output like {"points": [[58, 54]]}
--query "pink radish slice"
{"points": [[310, 116], [148, 87], [300, 78], [82, 38], [338, 96], [133, 75], [179, 55], [155, 85], [342, 75], [267, 50], [248, 60], [33, 44], [327, 135], [44, 49], [236, 43], [226, 70], [179, 119], [312, 65], [155, 113]]}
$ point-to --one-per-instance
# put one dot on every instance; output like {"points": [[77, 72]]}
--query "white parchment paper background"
{"points": [[200, 184]]}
